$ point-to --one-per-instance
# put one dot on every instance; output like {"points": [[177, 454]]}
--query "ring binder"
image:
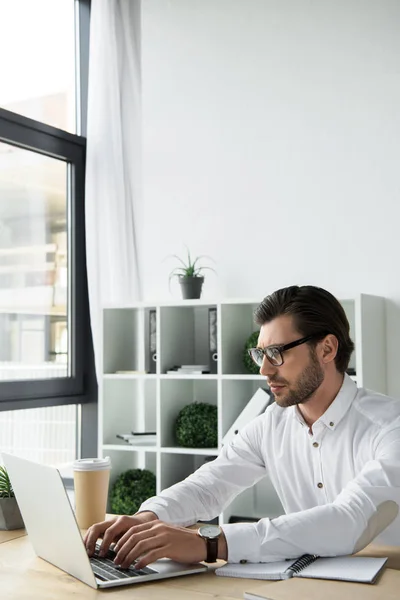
{"points": [[212, 340], [152, 341]]}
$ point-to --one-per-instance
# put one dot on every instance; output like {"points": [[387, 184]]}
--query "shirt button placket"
{"points": [[316, 453]]}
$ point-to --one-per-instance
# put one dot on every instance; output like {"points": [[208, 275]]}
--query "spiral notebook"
{"points": [[362, 569]]}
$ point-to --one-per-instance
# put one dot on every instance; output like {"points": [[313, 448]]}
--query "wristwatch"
{"points": [[210, 533]]}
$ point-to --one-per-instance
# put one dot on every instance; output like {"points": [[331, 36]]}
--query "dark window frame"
{"points": [[81, 387]]}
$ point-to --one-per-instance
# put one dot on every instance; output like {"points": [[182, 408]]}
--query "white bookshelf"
{"points": [[143, 401]]}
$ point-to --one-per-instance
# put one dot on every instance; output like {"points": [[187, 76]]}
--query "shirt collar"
{"points": [[338, 408]]}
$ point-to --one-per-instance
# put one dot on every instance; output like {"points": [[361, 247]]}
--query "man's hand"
{"points": [[154, 540], [113, 529]]}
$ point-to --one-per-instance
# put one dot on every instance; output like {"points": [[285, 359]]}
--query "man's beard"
{"points": [[305, 387]]}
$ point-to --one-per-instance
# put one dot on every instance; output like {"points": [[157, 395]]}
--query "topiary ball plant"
{"points": [[197, 426], [130, 489], [248, 362]]}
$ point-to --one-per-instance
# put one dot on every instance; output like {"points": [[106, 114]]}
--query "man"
{"points": [[331, 450]]}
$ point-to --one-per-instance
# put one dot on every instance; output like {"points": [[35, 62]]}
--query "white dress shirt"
{"points": [[339, 485]]}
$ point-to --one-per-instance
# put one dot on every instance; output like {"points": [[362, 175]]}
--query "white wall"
{"points": [[271, 142]]}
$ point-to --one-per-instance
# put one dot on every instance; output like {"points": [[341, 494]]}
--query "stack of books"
{"points": [[189, 370], [139, 437]]}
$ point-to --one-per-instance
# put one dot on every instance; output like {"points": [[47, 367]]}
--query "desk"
{"points": [[6, 536], [24, 576]]}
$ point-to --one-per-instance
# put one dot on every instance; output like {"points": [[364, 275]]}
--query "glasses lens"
{"points": [[274, 356], [257, 355]]}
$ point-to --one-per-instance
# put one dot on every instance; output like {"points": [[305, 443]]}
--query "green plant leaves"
{"points": [[189, 268], [248, 362], [6, 490], [131, 489], [197, 426]]}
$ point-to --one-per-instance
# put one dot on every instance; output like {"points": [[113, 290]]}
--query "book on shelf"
{"points": [[136, 438], [189, 370], [361, 569]]}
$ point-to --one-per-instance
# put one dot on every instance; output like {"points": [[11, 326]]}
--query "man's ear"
{"points": [[329, 348]]}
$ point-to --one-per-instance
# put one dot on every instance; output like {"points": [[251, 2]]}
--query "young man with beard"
{"points": [[331, 450]]}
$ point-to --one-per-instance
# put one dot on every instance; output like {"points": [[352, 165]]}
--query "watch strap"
{"points": [[212, 550]]}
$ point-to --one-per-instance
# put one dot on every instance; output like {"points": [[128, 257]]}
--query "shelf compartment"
{"points": [[175, 394], [176, 467], [121, 329], [129, 405], [184, 336], [235, 396], [122, 461], [237, 324]]}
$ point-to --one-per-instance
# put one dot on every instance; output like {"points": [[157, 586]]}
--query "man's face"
{"points": [[301, 374]]}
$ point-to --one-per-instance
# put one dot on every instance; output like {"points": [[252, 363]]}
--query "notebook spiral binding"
{"points": [[302, 562]]}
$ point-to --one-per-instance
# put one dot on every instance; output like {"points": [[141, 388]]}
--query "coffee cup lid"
{"points": [[91, 464]]}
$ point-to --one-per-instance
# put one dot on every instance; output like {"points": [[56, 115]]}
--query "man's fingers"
{"points": [[114, 533], [93, 533], [141, 547], [132, 543], [133, 531]]}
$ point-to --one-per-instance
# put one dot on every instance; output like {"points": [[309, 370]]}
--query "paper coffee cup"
{"points": [[91, 481]]}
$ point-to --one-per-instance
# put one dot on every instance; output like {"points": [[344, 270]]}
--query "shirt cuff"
{"points": [[243, 542], [160, 512]]}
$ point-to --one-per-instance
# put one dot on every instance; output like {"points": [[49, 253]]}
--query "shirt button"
{"points": [[331, 423], [320, 485], [315, 444]]}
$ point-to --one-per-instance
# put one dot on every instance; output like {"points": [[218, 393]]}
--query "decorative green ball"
{"points": [[130, 489], [248, 362], [196, 426]]}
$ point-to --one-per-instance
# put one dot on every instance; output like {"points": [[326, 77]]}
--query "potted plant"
{"points": [[196, 426], [10, 516], [130, 489], [190, 275]]}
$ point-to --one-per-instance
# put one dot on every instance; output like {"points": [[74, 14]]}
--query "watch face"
{"points": [[210, 531]]}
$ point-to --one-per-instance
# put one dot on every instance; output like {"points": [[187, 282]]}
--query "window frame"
{"points": [[80, 387]]}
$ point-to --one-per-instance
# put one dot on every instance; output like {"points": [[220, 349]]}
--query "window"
{"points": [[46, 353], [34, 265], [37, 72], [47, 435]]}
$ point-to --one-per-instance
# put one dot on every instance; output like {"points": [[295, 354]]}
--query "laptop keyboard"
{"points": [[105, 569]]}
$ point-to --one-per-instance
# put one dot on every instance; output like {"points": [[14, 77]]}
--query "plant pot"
{"points": [[191, 287], [10, 516]]}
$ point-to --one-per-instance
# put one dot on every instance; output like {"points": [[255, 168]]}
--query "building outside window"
{"points": [[42, 281]]}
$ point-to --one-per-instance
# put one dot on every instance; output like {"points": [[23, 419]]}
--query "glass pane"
{"points": [[37, 69], [34, 324], [45, 435]]}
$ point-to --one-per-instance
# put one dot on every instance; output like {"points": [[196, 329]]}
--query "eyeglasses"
{"points": [[274, 353]]}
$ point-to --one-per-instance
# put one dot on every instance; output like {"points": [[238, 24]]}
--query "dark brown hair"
{"points": [[315, 312]]}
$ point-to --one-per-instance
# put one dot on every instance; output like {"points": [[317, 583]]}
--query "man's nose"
{"points": [[266, 368]]}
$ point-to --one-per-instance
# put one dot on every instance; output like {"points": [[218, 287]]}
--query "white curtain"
{"points": [[113, 164]]}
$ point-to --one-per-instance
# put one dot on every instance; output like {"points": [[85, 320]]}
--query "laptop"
{"points": [[55, 536]]}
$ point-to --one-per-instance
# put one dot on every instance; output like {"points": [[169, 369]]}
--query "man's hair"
{"points": [[315, 312]]}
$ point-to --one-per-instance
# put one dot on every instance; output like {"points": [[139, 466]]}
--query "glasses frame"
{"points": [[282, 348]]}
